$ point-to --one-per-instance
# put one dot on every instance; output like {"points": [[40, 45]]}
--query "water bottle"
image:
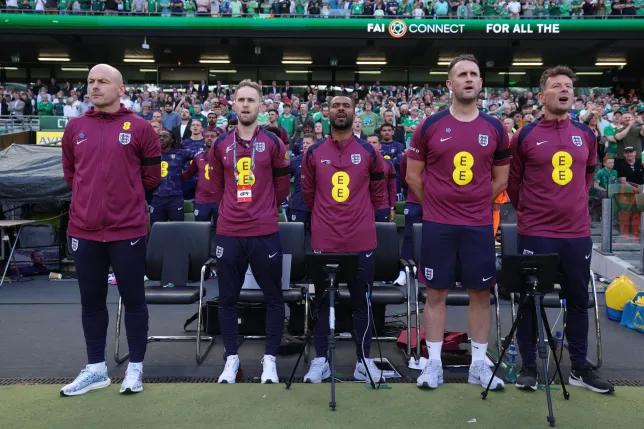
{"points": [[511, 364], [559, 341]]}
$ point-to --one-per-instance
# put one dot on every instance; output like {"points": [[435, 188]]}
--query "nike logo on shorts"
{"points": [[587, 256], [272, 255], [132, 243], [487, 278], [368, 255], [445, 139]]}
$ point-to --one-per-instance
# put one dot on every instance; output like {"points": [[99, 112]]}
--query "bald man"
{"points": [[111, 159]]}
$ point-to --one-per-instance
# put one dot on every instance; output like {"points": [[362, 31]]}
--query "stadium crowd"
{"points": [[338, 8], [196, 114]]}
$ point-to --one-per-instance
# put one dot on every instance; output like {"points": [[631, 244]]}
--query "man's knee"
{"points": [[436, 297]]}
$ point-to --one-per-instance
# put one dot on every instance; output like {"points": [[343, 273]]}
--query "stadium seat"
{"points": [[509, 246], [456, 297], [177, 253], [292, 239]]}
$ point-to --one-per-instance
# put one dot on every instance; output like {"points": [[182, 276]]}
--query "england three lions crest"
{"points": [[577, 141], [124, 138], [356, 158], [483, 140]]}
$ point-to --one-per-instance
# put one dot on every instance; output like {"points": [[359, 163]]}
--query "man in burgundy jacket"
{"points": [[553, 162], [250, 178], [111, 158], [343, 183], [205, 203]]}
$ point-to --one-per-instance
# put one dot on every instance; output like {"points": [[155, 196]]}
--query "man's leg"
{"points": [[413, 214], [157, 210], [232, 263], [175, 208], [92, 264], [127, 258], [437, 267], [128, 261], [358, 288], [266, 265]]}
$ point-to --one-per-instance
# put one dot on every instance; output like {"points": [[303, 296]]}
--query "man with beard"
{"points": [[343, 184], [192, 145], [250, 178], [391, 148], [205, 201], [465, 157], [553, 162]]}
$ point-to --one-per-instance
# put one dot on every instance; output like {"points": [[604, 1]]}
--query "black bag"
{"points": [[251, 318]]}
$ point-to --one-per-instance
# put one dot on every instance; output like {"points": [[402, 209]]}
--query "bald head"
{"points": [[105, 88], [107, 70]]}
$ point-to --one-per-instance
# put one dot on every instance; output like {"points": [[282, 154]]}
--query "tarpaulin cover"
{"points": [[32, 173]]}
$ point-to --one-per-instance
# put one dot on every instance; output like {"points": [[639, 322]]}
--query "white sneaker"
{"points": [[360, 373], [402, 279], [86, 381], [318, 371], [133, 381], [229, 374], [481, 374], [269, 373], [432, 375]]}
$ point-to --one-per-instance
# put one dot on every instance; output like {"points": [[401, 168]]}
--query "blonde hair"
{"points": [[250, 84]]}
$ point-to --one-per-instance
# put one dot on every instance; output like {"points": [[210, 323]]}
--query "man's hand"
{"points": [[392, 215]]}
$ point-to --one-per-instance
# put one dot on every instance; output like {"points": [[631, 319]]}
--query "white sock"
{"points": [[135, 365], [478, 351], [97, 367], [434, 349]]}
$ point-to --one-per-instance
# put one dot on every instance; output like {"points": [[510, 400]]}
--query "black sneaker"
{"points": [[527, 379], [590, 380]]}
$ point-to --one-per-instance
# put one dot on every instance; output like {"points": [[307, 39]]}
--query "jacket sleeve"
{"points": [[377, 185], [592, 160], [217, 173], [391, 185], [308, 179], [281, 173], [516, 171], [150, 158], [68, 155]]}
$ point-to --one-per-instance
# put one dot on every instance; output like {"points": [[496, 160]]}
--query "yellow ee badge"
{"points": [[340, 181], [127, 126], [561, 172], [463, 163]]}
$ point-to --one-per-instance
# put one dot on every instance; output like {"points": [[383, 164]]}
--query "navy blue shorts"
{"points": [[442, 248], [205, 212], [413, 214], [382, 215], [163, 209]]}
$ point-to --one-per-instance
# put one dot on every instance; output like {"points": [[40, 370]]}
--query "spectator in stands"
{"points": [[318, 131], [182, 131], [45, 107], [604, 177], [631, 174], [69, 111], [170, 119], [589, 8], [629, 135]]}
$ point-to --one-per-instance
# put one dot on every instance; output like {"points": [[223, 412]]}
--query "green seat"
{"points": [[189, 216], [188, 206], [400, 220], [400, 208], [281, 217]]}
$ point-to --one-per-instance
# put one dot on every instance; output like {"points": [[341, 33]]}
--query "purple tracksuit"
{"points": [[110, 160], [551, 172], [343, 182], [249, 192]]}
